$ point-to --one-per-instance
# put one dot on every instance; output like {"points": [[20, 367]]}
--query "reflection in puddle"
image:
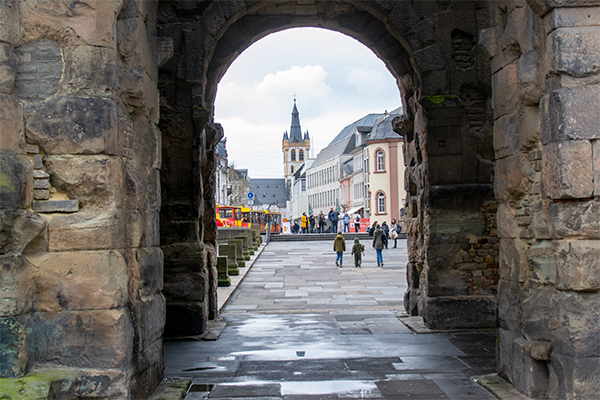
{"points": [[324, 387], [278, 355]]}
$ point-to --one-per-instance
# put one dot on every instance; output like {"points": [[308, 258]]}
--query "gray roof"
{"points": [[348, 167], [383, 129], [221, 150], [269, 191], [366, 121], [344, 146]]}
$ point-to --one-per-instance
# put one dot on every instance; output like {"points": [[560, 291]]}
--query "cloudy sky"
{"points": [[336, 79]]}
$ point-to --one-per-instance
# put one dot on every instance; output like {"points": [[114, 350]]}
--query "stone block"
{"points": [[539, 218], [16, 186], [9, 21], [151, 237], [512, 177], [15, 286], [102, 383], [12, 134], [74, 125], [460, 312], [445, 170], [596, 156], [574, 377], [506, 136], [19, 228], [577, 264], [84, 339], [149, 319], [184, 257], [567, 170], [572, 17], [182, 287], [92, 23], [134, 46], [96, 181], [510, 305], [530, 376], [574, 51], [531, 88], [223, 271], [430, 58], [505, 85], [507, 222], [569, 114], [149, 371], [529, 128], [573, 325], [39, 70], [513, 260], [229, 251], [15, 357], [63, 280], [54, 206], [446, 283], [85, 231], [504, 353], [90, 71], [8, 68], [151, 270], [539, 350], [542, 266], [575, 219], [153, 190], [186, 319], [537, 310]]}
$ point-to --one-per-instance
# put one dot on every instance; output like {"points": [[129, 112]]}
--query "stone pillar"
{"points": [[545, 139]]}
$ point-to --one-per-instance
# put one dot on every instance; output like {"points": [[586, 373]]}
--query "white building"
{"points": [[299, 197], [221, 181]]}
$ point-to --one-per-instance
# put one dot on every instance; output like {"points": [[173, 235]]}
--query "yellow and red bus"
{"points": [[274, 218], [246, 217], [229, 215]]}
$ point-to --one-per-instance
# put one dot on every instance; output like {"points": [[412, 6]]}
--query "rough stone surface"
{"points": [[15, 183], [596, 151], [568, 114], [510, 305], [73, 125], [567, 169], [575, 219], [574, 377], [19, 228], [8, 68], [578, 264], [513, 261], [512, 177], [63, 280], [83, 339], [90, 71], [97, 182], [9, 22], [12, 134], [51, 206], [85, 231], [40, 67], [464, 312], [575, 51], [530, 376]]}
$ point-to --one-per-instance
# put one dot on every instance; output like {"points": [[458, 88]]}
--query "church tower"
{"points": [[295, 146]]}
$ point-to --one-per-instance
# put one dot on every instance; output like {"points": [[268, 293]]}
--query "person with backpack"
{"points": [[378, 244], [386, 232], [339, 246], [357, 223]]}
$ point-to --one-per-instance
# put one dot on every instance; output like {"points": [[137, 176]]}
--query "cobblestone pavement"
{"points": [[298, 327]]}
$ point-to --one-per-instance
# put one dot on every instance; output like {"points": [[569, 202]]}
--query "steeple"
{"points": [[285, 136], [295, 130]]}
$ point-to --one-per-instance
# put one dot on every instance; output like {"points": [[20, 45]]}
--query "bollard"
{"points": [[229, 251], [223, 278]]}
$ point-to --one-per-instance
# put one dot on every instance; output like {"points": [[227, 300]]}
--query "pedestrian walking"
{"points": [[394, 232], [378, 244], [386, 232], [358, 250], [372, 229], [339, 246], [346, 220], [333, 219], [357, 223], [311, 223], [304, 222]]}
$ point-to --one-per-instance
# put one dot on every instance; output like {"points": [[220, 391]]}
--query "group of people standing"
{"points": [[323, 224]]}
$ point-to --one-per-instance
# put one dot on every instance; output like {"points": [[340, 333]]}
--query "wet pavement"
{"points": [[298, 327]]}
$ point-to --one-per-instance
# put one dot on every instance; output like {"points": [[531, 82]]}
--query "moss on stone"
{"points": [[439, 99], [34, 386]]}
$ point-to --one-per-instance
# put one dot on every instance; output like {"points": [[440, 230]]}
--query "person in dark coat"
{"points": [[333, 219], [321, 225], [378, 245], [386, 231], [339, 246], [357, 223]]}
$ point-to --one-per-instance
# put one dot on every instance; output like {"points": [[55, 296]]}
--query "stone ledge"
{"points": [[171, 389], [416, 325], [48, 206], [499, 387]]}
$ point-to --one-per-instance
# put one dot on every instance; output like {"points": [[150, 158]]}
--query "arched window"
{"points": [[380, 161], [301, 155], [292, 168], [380, 203], [293, 155]]}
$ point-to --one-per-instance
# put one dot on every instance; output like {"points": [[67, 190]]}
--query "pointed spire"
{"points": [[285, 136], [295, 130], [306, 137]]}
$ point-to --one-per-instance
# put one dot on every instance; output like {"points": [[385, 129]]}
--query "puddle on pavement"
{"points": [[207, 368], [279, 355], [327, 387]]}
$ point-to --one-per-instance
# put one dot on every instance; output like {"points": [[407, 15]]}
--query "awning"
{"points": [[353, 210]]}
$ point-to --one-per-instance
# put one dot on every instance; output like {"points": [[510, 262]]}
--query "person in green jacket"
{"points": [[339, 246], [358, 249]]}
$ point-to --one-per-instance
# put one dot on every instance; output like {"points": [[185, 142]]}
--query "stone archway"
{"points": [[533, 63]]}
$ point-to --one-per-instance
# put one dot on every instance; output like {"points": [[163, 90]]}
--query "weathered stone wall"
{"points": [[545, 81], [80, 196]]}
